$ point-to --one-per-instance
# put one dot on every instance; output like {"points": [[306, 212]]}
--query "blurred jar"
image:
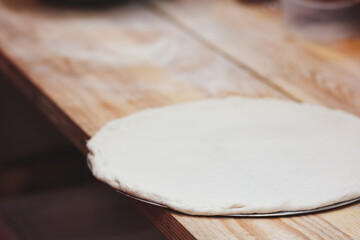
{"points": [[323, 20]]}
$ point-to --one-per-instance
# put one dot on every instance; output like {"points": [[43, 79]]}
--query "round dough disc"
{"points": [[232, 156]]}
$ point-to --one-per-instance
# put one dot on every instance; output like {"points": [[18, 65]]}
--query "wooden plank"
{"points": [[337, 224], [83, 68], [255, 37], [93, 51]]}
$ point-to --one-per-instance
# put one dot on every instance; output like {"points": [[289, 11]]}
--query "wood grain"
{"points": [[255, 37], [84, 67]]}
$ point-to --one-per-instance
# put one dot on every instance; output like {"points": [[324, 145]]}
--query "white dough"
{"points": [[232, 156]]}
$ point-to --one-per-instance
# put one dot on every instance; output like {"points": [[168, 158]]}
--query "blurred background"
{"points": [[46, 188]]}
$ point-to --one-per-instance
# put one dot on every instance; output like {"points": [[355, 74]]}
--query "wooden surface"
{"points": [[84, 67], [254, 37]]}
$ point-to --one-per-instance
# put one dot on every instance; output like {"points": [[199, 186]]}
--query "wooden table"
{"points": [[84, 67]]}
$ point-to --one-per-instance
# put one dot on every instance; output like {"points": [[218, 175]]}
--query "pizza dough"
{"points": [[232, 156]]}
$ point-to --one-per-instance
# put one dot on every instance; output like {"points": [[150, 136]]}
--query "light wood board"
{"points": [[84, 67], [255, 37]]}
